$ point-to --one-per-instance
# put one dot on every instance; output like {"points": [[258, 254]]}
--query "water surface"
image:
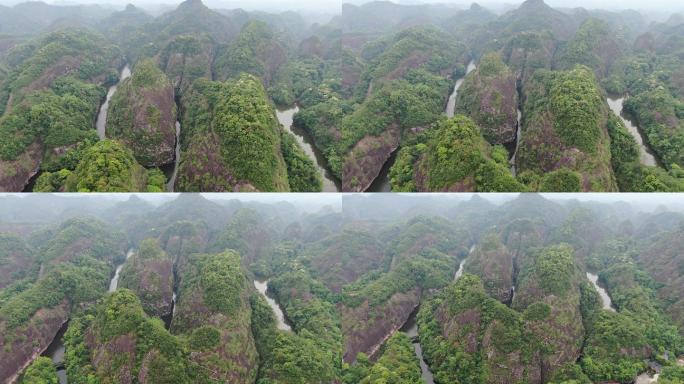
{"points": [[101, 121], [262, 287], [286, 117], [646, 155], [605, 298], [114, 283], [451, 104]]}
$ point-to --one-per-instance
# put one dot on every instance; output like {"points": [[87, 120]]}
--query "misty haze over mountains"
{"points": [[658, 9]]}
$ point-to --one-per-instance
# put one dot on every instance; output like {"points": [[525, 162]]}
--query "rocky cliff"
{"points": [[142, 115]]}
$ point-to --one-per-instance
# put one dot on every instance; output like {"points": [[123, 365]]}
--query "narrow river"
{"points": [[286, 117], [114, 283], [56, 349], [607, 302], [647, 157], [518, 136], [173, 173], [382, 181], [411, 329], [451, 104], [262, 287], [101, 121], [459, 272]]}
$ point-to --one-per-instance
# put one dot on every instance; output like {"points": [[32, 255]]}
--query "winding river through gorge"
{"points": [[56, 349], [411, 329], [101, 121], [607, 303], [646, 155], [382, 181], [282, 323], [286, 118], [605, 298]]}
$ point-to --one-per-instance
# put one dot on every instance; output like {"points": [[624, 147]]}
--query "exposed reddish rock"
{"points": [[663, 261], [16, 259], [209, 173], [364, 162], [19, 347], [493, 262], [16, 174], [489, 96], [142, 115], [366, 328]]}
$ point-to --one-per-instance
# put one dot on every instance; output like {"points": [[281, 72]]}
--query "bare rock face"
{"points": [[365, 161], [142, 114], [16, 259], [149, 273], [213, 299], [489, 96], [366, 328], [494, 263], [22, 345], [16, 174]]}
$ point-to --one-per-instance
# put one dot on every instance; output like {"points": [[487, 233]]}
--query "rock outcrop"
{"points": [[489, 96], [149, 273], [142, 115]]}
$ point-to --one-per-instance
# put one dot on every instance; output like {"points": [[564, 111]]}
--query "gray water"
{"points": [[114, 283], [56, 351], [459, 272], [451, 104], [607, 302], [646, 378], [262, 287], [646, 155], [518, 136], [286, 117], [101, 121], [411, 329], [381, 184], [172, 180]]}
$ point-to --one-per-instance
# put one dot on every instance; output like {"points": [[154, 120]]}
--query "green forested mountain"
{"points": [[535, 289], [370, 83]]}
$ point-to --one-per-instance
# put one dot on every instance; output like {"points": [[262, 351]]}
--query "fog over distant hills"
{"points": [[334, 5]]}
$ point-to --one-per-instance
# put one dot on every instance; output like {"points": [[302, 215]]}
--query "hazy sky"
{"points": [[333, 6], [314, 201]]}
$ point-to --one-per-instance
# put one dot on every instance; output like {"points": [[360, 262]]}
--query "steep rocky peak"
{"points": [[192, 5], [475, 7], [534, 4]]}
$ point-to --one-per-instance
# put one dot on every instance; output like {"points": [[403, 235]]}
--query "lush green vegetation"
{"points": [[303, 176], [60, 116], [318, 340], [658, 114], [565, 127], [238, 116], [397, 364], [108, 166], [214, 298], [345, 284], [149, 273], [150, 347], [453, 155], [631, 175], [142, 114], [489, 96], [41, 371]]}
